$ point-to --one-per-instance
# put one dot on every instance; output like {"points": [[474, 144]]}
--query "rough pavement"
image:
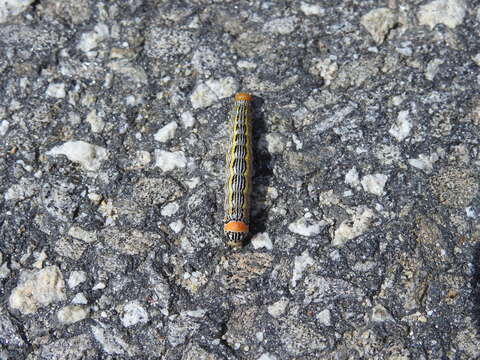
{"points": [[366, 188]]}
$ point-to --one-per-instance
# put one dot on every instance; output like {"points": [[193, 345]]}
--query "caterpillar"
{"points": [[239, 171]]}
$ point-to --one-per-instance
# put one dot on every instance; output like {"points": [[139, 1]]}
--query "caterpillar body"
{"points": [[239, 171]]}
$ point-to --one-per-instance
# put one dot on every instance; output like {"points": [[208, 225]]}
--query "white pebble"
{"points": [[247, 65], [275, 143], [262, 240], [432, 68], [12, 8], [447, 12], [187, 119], [40, 257], [38, 289], [133, 314], [281, 26], [351, 177], [323, 317], [397, 100], [170, 209], [311, 9], [354, 227], [205, 94], [476, 58], [424, 162], [199, 313], [166, 133], [71, 314], [470, 211], [193, 182], [259, 336], [80, 299], [56, 90], [307, 227], [277, 308], [90, 40], [380, 314], [300, 264], [81, 234], [402, 127], [99, 286], [298, 142], [168, 161], [177, 226], [96, 122], [374, 183], [4, 125], [378, 22], [405, 51], [76, 278], [89, 156]]}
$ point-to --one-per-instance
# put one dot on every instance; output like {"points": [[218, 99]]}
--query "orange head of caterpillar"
{"points": [[235, 232], [243, 97]]}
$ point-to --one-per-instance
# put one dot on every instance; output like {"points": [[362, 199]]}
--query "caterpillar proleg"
{"points": [[239, 171]]}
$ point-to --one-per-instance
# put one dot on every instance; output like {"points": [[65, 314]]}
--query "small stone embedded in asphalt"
{"points": [[81, 234], [379, 22], [11, 8], [424, 162], [80, 299], [307, 227], [90, 41], [38, 289], [262, 240], [170, 209], [354, 227], [76, 278], [96, 121], [56, 90], [300, 264], [4, 125], [205, 94], [168, 161], [374, 183], [187, 119], [402, 127], [166, 133], [278, 308], [311, 9], [89, 156], [447, 12], [71, 314], [324, 317], [134, 313], [281, 26]]}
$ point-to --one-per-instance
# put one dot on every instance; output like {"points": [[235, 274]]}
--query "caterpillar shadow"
{"points": [[262, 171], [475, 283]]}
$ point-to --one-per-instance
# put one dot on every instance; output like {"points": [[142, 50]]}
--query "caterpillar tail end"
{"points": [[243, 97], [235, 232]]}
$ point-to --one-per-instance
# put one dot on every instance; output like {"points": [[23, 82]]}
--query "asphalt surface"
{"points": [[365, 203]]}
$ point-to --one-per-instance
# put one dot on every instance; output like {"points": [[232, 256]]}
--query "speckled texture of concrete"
{"points": [[365, 207]]}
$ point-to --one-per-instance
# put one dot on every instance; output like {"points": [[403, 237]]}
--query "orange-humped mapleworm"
{"points": [[239, 171]]}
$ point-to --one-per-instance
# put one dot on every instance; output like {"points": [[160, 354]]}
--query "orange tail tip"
{"points": [[243, 96], [236, 226]]}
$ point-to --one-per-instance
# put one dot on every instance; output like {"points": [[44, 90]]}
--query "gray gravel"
{"points": [[365, 208]]}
